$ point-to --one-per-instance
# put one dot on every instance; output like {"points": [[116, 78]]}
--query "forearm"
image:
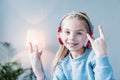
{"points": [[40, 76], [39, 71], [103, 69], [35, 61]]}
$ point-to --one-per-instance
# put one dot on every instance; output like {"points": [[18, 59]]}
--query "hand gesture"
{"points": [[99, 44], [35, 60]]}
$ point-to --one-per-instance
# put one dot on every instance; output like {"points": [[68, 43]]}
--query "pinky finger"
{"points": [[90, 38]]}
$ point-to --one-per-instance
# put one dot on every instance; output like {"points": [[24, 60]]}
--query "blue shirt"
{"points": [[86, 67]]}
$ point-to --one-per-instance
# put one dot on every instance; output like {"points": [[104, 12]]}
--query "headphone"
{"points": [[84, 15]]}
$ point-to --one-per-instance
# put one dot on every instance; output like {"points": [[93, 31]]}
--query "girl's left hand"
{"points": [[99, 44]]}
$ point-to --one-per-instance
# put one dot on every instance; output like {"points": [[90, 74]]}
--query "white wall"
{"points": [[16, 17]]}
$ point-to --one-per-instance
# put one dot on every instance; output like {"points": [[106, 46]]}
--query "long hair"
{"points": [[61, 54], [63, 51]]}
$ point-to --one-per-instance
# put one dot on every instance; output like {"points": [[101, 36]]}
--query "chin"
{"points": [[73, 49]]}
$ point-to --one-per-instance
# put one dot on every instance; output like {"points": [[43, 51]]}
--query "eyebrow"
{"points": [[80, 30], [75, 30]]}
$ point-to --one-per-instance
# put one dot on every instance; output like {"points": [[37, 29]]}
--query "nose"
{"points": [[72, 36]]}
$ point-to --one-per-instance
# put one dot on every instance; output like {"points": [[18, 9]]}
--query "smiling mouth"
{"points": [[72, 44]]}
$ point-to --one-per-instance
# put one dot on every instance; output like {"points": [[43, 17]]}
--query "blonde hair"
{"points": [[61, 54], [63, 51]]}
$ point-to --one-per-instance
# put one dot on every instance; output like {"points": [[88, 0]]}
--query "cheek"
{"points": [[82, 39], [63, 37]]}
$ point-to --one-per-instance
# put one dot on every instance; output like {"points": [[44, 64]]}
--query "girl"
{"points": [[75, 59]]}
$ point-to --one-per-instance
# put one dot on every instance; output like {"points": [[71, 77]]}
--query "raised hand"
{"points": [[99, 44], [35, 51], [36, 63]]}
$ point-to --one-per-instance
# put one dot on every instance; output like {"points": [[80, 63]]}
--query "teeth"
{"points": [[72, 44]]}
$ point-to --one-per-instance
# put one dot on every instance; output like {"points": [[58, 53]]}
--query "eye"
{"points": [[67, 32], [79, 33]]}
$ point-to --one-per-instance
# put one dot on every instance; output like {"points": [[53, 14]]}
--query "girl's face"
{"points": [[74, 34]]}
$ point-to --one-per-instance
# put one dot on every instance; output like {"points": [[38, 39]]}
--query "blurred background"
{"points": [[18, 17]]}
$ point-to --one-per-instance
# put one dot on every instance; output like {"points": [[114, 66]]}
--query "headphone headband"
{"points": [[84, 15]]}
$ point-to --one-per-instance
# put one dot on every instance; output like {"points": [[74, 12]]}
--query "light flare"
{"points": [[36, 37]]}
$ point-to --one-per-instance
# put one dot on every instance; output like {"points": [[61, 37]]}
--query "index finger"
{"points": [[101, 32], [31, 47]]}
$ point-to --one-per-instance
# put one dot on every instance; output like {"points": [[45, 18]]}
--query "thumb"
{"points": [[90, 38]]}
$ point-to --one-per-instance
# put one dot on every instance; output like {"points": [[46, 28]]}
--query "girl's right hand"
{"points": [[35, 61], [99, 44]]}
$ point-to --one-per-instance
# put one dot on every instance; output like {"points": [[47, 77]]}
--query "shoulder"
{"points": [[64, 60], [90, 56]]}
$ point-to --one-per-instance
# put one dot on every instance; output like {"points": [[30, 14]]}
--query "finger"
{"points": [[101, 32], [39, 54], [90, 38], [31, 47], [36, 48]]}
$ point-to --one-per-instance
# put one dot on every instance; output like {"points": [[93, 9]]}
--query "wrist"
{"points": [[102, 61], [40, 76], [100, 55]]}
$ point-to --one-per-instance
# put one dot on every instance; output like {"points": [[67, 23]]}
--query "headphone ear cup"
{"points": [[59, 38]]}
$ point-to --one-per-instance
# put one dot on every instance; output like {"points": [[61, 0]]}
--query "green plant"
{"points": [[7, 51], [10, 71], [27, 75]]}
